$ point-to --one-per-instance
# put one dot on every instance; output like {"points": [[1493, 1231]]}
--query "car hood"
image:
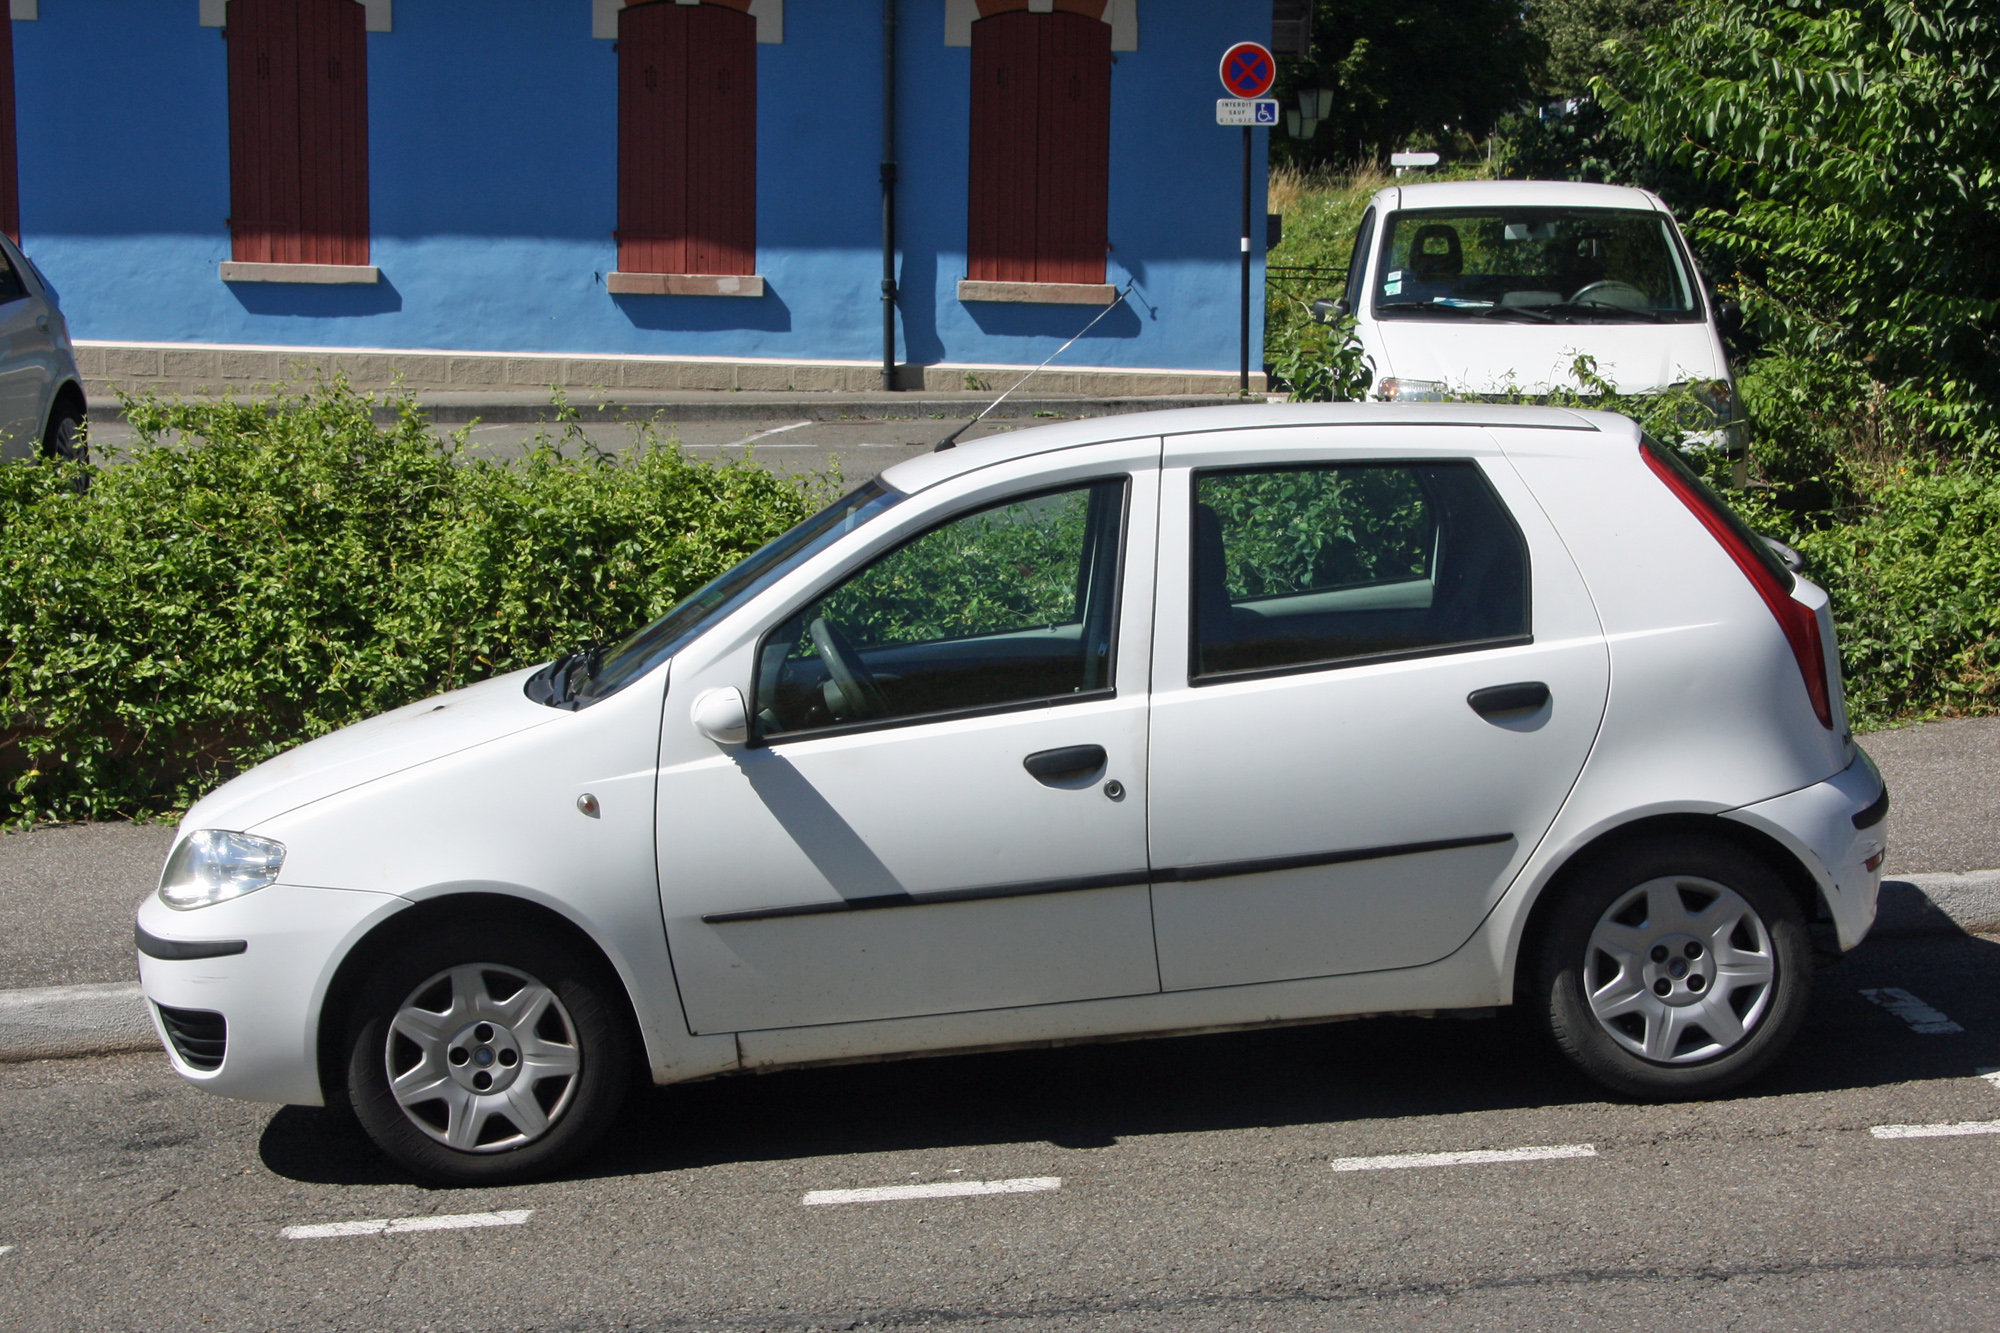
{"points": [[394, 741], [1488, 357]]}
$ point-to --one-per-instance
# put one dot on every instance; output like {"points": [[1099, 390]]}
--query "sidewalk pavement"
{"points": [[68, 979]]}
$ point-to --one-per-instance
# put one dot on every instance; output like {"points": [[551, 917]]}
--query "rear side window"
{"points": [[1302, 567], [1006, 606]]}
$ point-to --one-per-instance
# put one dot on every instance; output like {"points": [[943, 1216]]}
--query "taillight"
{"points": [[1759, 563]]}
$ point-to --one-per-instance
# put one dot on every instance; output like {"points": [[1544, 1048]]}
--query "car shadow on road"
{"points": [[1091, 1096]]}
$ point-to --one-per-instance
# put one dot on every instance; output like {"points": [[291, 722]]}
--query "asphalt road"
{"points": [[850, 450], [1198, 1191], [67, 893]]}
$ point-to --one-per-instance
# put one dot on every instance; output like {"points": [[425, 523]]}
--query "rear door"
{"points": [[1377, 677], [27, 362]]}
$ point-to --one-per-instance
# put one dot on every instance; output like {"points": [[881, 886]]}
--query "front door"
{"points": [[1378, 676], [941, 807]]}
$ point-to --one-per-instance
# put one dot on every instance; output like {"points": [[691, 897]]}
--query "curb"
{"points": [[74, 1020], [449, 409], [58, 1021]]}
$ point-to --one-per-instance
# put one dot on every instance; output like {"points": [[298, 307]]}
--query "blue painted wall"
{"points": [[493, 176]]}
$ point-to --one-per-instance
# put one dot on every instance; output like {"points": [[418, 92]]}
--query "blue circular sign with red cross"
{"points": [[1248, 70]]}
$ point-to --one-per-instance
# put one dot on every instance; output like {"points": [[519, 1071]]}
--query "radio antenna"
{"points": [[951, 441]]}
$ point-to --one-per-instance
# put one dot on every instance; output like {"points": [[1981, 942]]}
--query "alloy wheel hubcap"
{"points": [[1680, 970], [482, 1058]]}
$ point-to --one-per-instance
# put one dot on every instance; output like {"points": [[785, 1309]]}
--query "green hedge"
{"points": [[248, 575]]}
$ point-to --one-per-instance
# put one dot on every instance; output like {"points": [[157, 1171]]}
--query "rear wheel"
{"points": [[1677, 967], [64, 438], [482, 1055]]}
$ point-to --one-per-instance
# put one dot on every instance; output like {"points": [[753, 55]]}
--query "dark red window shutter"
{"points": [[1041, 148], [10, 166], [687, 139], [298, 131]]}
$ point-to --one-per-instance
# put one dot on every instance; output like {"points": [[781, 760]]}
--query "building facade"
{"points": [[671, 194]]}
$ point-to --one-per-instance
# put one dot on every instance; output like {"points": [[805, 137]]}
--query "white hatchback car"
{"points": [[1149, 724]]}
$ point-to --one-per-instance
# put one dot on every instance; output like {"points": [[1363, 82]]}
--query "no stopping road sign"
{"points": [[1248, 70]]}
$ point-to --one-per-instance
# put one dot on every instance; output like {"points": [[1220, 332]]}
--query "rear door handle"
{"points": [[1521, 697], [1072, 761]]}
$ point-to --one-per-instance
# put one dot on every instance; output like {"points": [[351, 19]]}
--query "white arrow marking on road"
{"points": [[1405, 1160], [1920, 1016], [943, 1189], [395, 1226], [1953, 1131]]}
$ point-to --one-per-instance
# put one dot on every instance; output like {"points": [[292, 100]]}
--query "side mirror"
{"points": [[1728, 319], [719, 714], [1328, 311]]}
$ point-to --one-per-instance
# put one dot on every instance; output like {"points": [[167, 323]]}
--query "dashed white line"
{"points": [[394, 1226], [1952, 1131], [1406, 1160], [775, 430], [1920, 1016], [943, 1189]]}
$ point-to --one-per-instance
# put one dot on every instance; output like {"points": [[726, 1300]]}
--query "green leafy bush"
{"points": [[251, 575]]}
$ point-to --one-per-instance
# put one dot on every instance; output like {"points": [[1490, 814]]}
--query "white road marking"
{"points": [[394, 1226], [1962, 1128], [6, 1249], [775, 430], [1991, 1076], [943, 1189], [1405, 1160], [1920, 1016]]}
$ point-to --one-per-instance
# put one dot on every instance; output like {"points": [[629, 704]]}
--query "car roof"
{"points": [[1518, 194], [928, 470]]}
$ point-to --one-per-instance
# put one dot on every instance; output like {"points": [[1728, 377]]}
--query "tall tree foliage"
{"points": [[1419, 72], [1860, 140]]}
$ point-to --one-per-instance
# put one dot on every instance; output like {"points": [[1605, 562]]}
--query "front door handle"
{"points": [[1523, 697], [1072, 761]]}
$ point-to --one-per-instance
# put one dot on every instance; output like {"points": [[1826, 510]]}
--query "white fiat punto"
{"points": [[1149, 724]]}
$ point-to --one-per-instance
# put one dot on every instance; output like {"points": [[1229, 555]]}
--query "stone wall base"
{"points": [[207, 368]]}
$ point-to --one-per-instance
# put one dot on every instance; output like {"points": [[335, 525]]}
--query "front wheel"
{"points": [[1679, 967], [64, 439], [485, 1055]]}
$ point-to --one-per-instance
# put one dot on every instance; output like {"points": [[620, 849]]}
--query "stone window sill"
{"points": [[684, 284], [1038, 293], [233, 271]]}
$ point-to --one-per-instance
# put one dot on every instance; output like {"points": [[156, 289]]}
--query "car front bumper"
{"points": [[268, 994], [1818, 824]]}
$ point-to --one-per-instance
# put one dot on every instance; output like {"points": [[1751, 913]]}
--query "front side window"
{"points": [[1299, 567], [1534, 265], [1009, 605], [1357, 262]]}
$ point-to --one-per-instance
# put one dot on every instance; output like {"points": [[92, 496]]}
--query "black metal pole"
{"points": [[1243, 373], [889, 195]]}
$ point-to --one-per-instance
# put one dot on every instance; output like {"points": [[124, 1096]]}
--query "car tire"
{"points": [[523, 1039], [1673, 968], [64, 439]]}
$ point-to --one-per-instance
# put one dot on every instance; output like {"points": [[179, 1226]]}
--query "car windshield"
{"points": [[632, 657], [1534, 265]]}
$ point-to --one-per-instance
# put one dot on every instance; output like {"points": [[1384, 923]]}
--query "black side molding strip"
{"points": [[181, 950], [1877, 811], [1029, 889], [1118, 880], [1266, 864]]}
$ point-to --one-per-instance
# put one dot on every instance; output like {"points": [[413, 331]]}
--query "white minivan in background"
{"points": [[1490, 287]]}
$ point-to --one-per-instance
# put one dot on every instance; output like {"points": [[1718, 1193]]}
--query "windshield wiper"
{"points": [[1517, 312], [1606, 308], [561, 682]]}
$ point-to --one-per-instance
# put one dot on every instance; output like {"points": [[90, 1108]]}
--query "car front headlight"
{"points": [[1411, 391], [213, 865]]}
